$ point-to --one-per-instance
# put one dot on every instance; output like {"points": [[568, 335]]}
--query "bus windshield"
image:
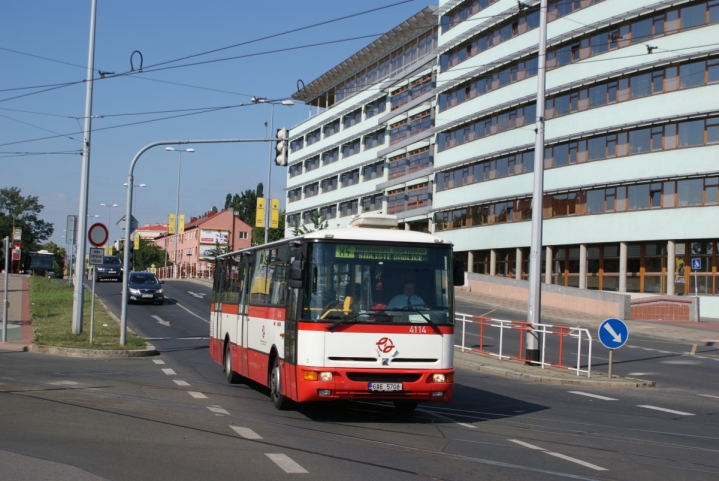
{"points": [[378, 283]]}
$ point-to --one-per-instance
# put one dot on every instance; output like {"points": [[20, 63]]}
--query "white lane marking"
{"points": [[63, 383], [169, 372], [526, 445], [708, 395], [217, 410], [681, 413], [158, 361], [197, 395], [641, 373], [183, 307], [181, 383], [432, 413], [159, 319], [593, 395], [199, 295], [246, 433], [681, 363], [575, 460], [558, 455], [286, 463]]}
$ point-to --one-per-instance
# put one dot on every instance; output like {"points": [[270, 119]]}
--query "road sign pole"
{"points": [[4, 302], [611, 361], [92, 303]]}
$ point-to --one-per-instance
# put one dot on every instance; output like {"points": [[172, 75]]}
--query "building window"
{"points": [[312, 164], [352, 118], [350, 178], [418, 196], [374, 171], [329, 184], [398, 131], [294, 195], [395, 201], [330, 156], [375, 108], [297, 144], [243, 235], [462, 12], [397, 166], [420, 122], [295, 170], [374, 139], [420, 86], [486, 126], [293, 220], [312, 190], [331, 128], [348, 208], [307, 216], [399, 97], [313, 137], [372, 203], [351, 148], [328, 212]]}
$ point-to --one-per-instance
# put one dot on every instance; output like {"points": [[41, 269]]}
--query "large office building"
{"points": [[435, 122]]}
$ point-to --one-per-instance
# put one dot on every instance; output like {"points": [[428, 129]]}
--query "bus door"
{"points": [[290, 334], [216, 335], [246, 269]]}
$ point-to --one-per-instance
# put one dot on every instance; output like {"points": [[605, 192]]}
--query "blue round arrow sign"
{"points": [[613, 333]]}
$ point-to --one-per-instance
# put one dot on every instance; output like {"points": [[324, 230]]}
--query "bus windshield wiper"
{"points": [[346, 320], [426, 318]]}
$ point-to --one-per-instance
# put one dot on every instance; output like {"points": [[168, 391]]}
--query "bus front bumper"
{"points": [[360, 384]]}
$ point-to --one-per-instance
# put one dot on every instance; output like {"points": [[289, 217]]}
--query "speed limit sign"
{"points": [[97, 235]]}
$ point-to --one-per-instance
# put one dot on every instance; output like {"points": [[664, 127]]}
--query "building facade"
{"points": [[202, 235], [632, 138]]}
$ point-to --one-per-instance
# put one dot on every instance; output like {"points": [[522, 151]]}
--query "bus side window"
{"points": [[280, 276]]}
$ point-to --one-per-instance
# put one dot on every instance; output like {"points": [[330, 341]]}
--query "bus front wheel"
{"points": [[280, 401], [232, 376]]}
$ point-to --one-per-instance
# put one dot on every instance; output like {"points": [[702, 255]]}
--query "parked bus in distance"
{"points": [[41, 263], [364, 312]]}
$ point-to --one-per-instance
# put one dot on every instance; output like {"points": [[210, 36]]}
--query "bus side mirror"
{"points": [[457, 272], [298, 267]]}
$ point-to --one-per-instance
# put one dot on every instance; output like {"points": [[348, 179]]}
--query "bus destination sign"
{"points": [[382, 253]]}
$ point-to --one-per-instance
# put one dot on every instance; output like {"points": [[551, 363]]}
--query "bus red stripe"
{"points": [[267, 312]]}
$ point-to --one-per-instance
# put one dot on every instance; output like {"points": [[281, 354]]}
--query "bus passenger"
{"points": [[407, 298]]}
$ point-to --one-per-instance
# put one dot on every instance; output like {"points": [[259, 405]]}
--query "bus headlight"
{"points": [[325, 376], [443, 377]]}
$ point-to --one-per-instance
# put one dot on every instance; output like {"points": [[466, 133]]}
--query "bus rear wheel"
{"points": [[232, 376], [405, 407], [280, 401]]}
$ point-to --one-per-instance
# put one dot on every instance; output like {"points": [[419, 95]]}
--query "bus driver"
{"points": [[407, 298]]}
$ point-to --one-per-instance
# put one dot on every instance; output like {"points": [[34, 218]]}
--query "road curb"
{"points": [[510, 374], [93, 353]]}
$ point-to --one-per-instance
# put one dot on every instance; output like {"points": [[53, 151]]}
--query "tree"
{"points": [[318, 223], [245, 204], [228, 201], [19, 211], [258, 233], [149, 253]]}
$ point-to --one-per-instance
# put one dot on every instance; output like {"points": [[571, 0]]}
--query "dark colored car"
{"points": [[111, 268], [144, 287]]}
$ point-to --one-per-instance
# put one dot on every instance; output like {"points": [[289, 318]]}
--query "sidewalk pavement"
{"points": [[525, 372], [698, 332], [19, 329]]}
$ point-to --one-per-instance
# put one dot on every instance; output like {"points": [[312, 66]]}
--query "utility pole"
{"points": [[79, 294], [268, 196], [4, 303], [535, 252]]}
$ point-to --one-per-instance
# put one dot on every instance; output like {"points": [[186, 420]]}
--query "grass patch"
{"points": [[51, 310]]}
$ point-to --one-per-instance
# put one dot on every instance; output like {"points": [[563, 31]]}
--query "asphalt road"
{"points": [[175, 417]]}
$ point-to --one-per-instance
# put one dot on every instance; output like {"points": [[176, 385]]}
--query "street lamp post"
{"points": [[134, 198], [109, 207], [177, 205], [268, 196]]}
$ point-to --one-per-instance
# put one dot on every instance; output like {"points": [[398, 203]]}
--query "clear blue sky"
{"points": [[162, 30]]}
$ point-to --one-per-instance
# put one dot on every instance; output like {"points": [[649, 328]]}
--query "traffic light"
{"points": [[281, 146], [131, 253]]}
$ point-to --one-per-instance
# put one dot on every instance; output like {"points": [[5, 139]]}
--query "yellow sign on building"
{"points": [[275, 213], [181, 225], [260, 213], [171, 224]]}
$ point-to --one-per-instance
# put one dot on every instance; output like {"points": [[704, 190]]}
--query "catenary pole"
{"points": [[268, 197], [79, 293], [177, 215], [128, 209], [4, 302], [535, 252]]}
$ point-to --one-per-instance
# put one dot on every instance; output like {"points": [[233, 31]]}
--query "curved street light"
{"points": [[177, 205]]}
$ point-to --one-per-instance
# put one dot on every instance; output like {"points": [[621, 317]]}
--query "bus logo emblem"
{"points": [[385, 345]]}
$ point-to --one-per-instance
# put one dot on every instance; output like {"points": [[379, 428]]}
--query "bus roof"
{"points": [[358, 234]]}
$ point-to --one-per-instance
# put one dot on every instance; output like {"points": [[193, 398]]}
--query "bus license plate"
{"points": [[385, 386]]}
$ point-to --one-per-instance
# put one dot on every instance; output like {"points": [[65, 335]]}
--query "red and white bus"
{"points": [[364, 312]]}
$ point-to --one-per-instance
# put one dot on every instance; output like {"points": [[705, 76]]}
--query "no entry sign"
{"points": [[97, 235]]}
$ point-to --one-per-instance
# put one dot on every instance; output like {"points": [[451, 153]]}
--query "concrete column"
{"points": [[622, 267], [671, 265], [583, 266], [548, 266], [431, 226], [493, 262], [406, 226], [518, 264], [470, 261]]}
